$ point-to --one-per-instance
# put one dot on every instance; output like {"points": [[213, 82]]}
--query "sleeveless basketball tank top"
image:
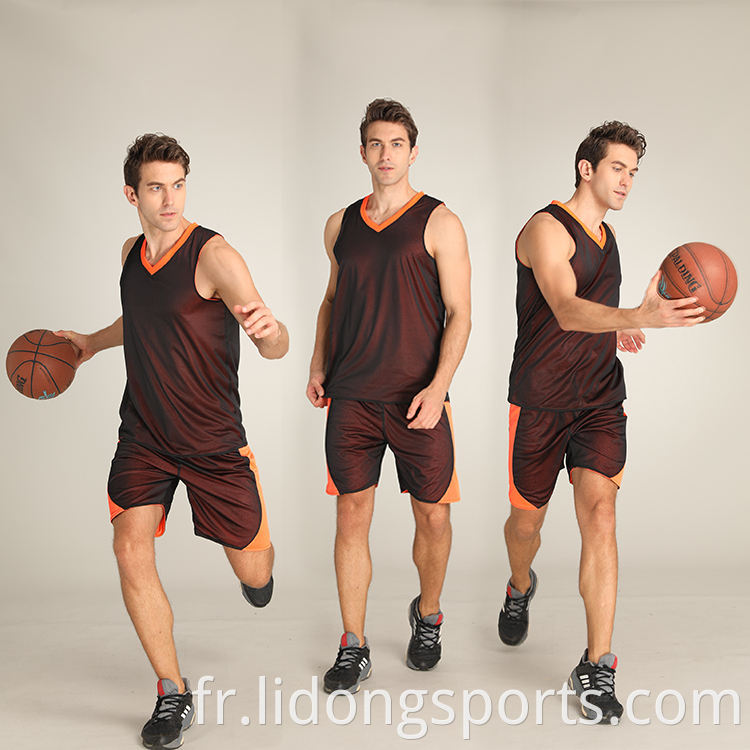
{"points": [[568, 370], [181, 355], [388, 315]]}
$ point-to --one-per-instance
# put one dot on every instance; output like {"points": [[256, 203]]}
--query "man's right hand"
{"points": [[657, 312], [82, 344], [315, 391]]}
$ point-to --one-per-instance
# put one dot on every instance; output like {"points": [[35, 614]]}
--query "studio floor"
{"points": [[74, 676]]}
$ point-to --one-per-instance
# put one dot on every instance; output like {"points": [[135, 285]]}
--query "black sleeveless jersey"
{"points": [[388, 315], [181, 355], [568, 370]]}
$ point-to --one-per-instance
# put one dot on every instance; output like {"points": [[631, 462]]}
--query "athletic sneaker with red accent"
{"points": [[352, 665], [173, 714], [513, 623], [594, 684], [424, 649]]}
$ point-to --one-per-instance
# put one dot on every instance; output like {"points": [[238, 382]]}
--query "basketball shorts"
{"points": [[357, 433], [223, 490], [542, 442]]}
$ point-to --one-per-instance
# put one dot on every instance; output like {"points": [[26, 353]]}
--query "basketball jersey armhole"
{"points": [[424, 231], [195, 270]]}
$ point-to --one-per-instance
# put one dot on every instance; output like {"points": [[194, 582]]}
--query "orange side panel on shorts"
{"points": [[115, 510], [452, 494], [263, 537], [516, 499], [330, 486]]}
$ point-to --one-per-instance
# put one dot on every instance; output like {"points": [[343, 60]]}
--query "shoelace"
{"points": [[428, 635], [516, 607], [604, 678], [348, 656], [167, 706]]}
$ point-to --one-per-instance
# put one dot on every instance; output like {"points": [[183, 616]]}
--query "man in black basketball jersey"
{"points": [[184, 291], [566, 393], [391, 331]]}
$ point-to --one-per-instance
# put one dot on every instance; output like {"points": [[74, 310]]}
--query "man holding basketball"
{"points": [[566, 393], [185, 293], [391, 331]]}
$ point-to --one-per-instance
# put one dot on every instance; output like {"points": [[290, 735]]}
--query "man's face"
{"points": [[160, 198], [387, 152], [613, 177]]}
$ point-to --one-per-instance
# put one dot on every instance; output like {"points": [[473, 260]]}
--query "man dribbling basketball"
{"points": [[566, 393], [184, 290]]}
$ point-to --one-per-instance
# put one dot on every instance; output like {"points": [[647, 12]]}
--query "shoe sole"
{"points": [[611, 719], [355, 687], [412, 665], [515, 643]]}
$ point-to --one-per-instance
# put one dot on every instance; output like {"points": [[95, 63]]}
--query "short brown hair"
{"points": [[386, 110], [594, 146], [152, 147]]}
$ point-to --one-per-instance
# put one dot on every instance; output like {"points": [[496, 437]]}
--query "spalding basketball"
{"points": [[40, 365], [700, 270]]}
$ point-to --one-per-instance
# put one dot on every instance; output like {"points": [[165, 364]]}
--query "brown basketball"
{"points": [[700, 270], [40, 365]]}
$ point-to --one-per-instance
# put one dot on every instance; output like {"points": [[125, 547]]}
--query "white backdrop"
{"points": [[266, 98]]}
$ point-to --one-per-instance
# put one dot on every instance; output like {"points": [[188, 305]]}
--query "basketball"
{"points": [[40, 365], [700, 270]]}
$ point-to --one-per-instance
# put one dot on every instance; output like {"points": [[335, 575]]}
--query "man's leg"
{"points": [[595, 508], [252, 567], [432, 546], [145, 600], [523, 538], [352, 557]]}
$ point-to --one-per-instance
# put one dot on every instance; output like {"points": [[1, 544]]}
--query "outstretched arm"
{"points": [[222, 273], [445, 239], [546, 248]]}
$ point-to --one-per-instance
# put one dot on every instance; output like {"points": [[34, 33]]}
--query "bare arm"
{"points": [[223, 273], [546, 247], [446, 241], [87, 345], [315, 390]]}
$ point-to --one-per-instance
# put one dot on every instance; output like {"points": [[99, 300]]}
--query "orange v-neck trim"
{"points": [[599, 241], [380, 227], [168, 255]]}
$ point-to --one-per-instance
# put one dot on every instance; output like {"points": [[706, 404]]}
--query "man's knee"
{"points": [[598, 518], [524, 525], [353, 514], [434, 520], [133, 542]]}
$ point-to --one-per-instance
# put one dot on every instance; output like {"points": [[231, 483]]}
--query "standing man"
{"points": [[185, 292], [566, 393], [391, 331]]}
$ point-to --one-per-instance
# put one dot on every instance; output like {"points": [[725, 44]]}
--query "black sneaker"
{"points": [[258, 597], [352, 665], [173, 714], [424, 647], [597, 682], [513, 623]]}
